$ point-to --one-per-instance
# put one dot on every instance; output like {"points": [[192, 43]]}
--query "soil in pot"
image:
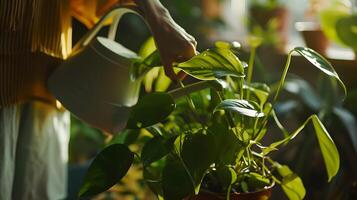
{"points": [[263, 194], [212, 189]]}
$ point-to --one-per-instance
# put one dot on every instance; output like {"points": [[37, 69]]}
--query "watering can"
{"points": [[96, 83]]}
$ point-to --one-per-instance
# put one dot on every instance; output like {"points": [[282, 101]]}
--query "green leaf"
{"points": [[260, 94], [150, 58], [329, 18], [256, 181], [198, 153], [108, 167], [321, 63], [162, 81], [155, 149], [229, 145], [228, 45], [349, 121], [212, 64], [260, 86], [242, 107], [147, 48], [153, 176], [254, 41], [126, 137], [176, 182], [150, 109], [346, 29], [142, 66], [226, 176], [327, 146], [291, 183]]}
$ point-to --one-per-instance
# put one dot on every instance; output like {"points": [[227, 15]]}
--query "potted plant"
{"points": [[206, 137], [338, 20], [310, 28], [269, 19]]}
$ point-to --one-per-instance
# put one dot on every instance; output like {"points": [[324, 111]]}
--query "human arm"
{"points": [[173, 42]]}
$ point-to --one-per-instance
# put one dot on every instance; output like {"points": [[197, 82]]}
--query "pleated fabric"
{"points": [[35, 35]]}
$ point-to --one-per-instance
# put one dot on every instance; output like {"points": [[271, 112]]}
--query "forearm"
{"points": [[152, 10]]}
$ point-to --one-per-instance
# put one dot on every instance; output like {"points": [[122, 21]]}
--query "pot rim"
{"points": [[243, 193]]}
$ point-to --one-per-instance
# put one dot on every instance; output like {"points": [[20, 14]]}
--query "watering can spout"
{"points": [[96, 83]]}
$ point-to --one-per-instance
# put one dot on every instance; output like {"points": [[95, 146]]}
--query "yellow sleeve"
{"points": [[89, 11]]}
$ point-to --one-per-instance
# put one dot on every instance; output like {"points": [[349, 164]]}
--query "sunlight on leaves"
{"points": [[242, 107], [212, 64], [291, 183]]}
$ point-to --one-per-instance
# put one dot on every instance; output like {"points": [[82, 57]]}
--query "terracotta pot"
{"points": [[313, 36], [261, 16], [211, 9], [263, 194]]}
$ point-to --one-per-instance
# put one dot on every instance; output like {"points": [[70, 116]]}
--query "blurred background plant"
{"points": [[268, 19], [339, 21], [343, 126]]}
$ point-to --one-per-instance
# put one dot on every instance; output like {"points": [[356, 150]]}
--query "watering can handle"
{"points": [[117, 13]]}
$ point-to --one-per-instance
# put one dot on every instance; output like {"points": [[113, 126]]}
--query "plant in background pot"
{"points": [[206, 137], [338, 22], [269, 20], [310, 28]]}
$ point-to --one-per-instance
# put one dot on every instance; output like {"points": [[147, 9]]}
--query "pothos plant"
{"points": [[208, 135]]}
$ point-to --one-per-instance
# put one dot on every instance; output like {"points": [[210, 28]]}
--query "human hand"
{"points": [[174, 45], [173, 42]]}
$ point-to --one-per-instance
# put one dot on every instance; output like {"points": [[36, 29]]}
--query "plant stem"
{"points": [[228, 115], [191, 105], [250, 69], [281, 84], [184, 165], [282, 80], [188, 89]]}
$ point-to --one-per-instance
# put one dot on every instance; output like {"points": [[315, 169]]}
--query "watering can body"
{"points": [[95, 83]]}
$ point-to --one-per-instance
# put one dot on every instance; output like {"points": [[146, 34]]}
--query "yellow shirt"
{"points": [[35, 35]]}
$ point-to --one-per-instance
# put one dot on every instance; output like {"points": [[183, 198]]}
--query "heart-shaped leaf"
{"points": [[242, 107], [155, 149], [212, 64], [150, 109], [321, 63], [226, 176], [108, 167], [230, 148], [202, 146], [346, 29], [176, 181]]}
